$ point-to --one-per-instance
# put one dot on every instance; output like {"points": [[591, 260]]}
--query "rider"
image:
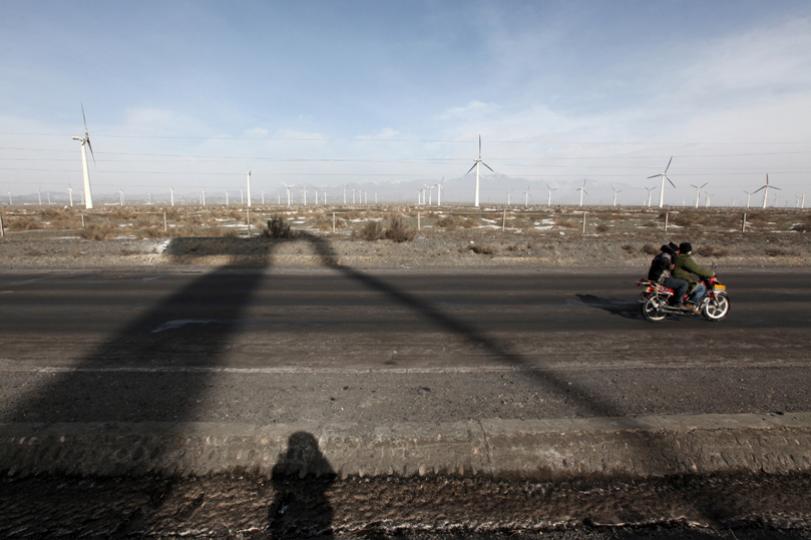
{"points": [[687, 269], [659, 272]]}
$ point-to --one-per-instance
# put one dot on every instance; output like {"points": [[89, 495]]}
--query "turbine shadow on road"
{"points": [[651, 449]]}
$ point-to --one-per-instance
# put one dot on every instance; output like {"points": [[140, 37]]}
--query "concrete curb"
{"points": [[541, 449]]}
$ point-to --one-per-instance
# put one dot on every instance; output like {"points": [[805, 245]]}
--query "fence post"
{"points": [[504, 219], [165, 224], [333, 223], [584, 222], [667, 219], [743, 223], [2, 227], [419, 225]]}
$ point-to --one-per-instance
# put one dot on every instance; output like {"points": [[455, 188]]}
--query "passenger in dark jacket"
{"points": [[660, 272]]}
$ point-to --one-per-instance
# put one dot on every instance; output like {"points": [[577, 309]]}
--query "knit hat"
{"points": [[685, 247]]}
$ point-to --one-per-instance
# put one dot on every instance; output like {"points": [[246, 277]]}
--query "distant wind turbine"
{"points": [[698, 191], [748, 198], [248, 188], [84, 142], [663, 175], [650, 191], [582, 190], [616, 192], [765, 189], [478, 161], [549, 190]]}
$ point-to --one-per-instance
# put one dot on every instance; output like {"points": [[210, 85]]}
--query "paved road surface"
{"points": [[326, 346]]}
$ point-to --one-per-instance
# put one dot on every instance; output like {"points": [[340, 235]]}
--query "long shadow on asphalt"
{"points": [[199, 319]]}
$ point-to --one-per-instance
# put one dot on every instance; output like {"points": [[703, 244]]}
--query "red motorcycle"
{"points": [[657, 301]]}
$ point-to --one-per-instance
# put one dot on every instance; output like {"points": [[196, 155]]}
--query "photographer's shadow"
{"points": [[301, 478]]}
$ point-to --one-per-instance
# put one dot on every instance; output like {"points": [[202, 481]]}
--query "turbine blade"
{"points": [[761, 188], [777, 188], [84, 118], [705, 184], [488, 166], [655, 176], [668, 164], [480, 146], [90, 147], [671, 181], [471, 168]]}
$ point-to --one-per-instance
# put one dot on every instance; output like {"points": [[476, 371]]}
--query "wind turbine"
{"points": [[748, 198], [698, 191], [439, 187], [549, 190], [663, 175], [172, 196], [84, 142], [616, 192], [650, 191], [582, 190], [248, 188], [526, 197], [478, 161], [765, 189], [70, 196]]}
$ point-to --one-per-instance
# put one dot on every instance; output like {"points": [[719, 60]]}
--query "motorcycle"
{"points": [[657, 301]]}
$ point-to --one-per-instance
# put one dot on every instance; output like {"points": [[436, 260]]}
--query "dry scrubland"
{"points": [[399, 236]]}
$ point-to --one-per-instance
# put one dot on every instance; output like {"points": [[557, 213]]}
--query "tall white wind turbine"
{"points": [[663, 175], [84, 142], [698, 191], [478, 161], [765, 189]]}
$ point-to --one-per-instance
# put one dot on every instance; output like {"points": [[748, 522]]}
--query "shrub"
{"points": [[602, 228], [371, 231], [650, 249], [399, 231], [448, 223], [278, 227], [628, 248], [481, 250], [710, 251], [98, 231]]}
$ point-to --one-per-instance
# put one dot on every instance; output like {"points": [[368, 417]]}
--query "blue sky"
{"points": [[560, 91]]}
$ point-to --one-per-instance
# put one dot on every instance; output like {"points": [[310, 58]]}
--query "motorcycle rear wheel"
{"points": [[651, 311]]}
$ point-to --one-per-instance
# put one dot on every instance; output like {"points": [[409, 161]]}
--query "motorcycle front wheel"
{"points": [[715, 309], [651, 311]]}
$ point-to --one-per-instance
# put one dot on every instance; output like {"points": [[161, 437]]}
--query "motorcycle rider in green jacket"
{"points": [[689, 270]]}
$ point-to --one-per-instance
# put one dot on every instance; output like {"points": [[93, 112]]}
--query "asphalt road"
{"points": [[343, 345]]}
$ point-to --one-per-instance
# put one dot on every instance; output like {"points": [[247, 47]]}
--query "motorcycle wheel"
{"points": [[715, 309], [651, 311]]}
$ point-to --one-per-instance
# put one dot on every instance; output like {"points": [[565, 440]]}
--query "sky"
{"points": [[392, 95]]}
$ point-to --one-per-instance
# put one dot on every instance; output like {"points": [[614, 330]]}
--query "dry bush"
{"points": [[449, 223], [98, 231], [711, 251], [278, 227], [629, 249], [150, 232], [371, 231], [780, 252], [122, 212], [54, 213], [481, 250], [24, 223], [399, 231], [649, 249], [566, 224], [602, 228], [800, 227]]}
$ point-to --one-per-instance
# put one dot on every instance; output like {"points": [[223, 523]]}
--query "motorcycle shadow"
{"points": [[623, 308]]}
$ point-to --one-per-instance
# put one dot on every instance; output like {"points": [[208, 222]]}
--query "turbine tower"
{"points": [[663, 175], [478, 161], [84, 142], [698, 191], [765, 189]]}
